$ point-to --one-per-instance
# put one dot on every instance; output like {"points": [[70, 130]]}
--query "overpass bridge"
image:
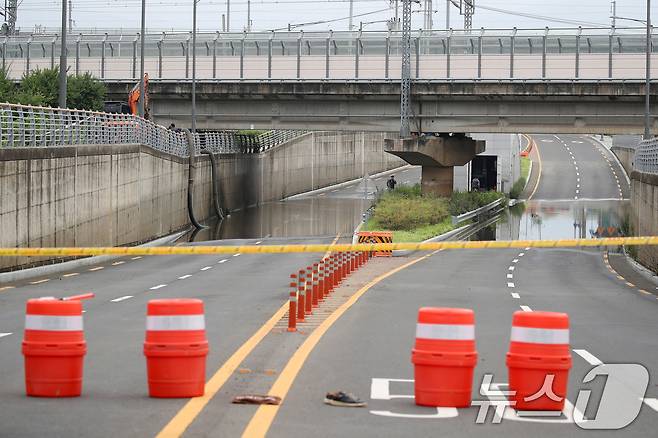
{"points": [[562, 80]]}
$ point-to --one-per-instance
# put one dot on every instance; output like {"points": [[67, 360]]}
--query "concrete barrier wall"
{"points": [[644, 202], [111, 195], [626, 157]]}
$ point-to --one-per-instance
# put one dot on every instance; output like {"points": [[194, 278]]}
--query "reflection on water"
{"points": [[307, 217], [537, 220]]}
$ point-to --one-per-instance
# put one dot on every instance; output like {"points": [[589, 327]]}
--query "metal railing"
{"points": [[646, 156], [33, 126], [484, 53]]}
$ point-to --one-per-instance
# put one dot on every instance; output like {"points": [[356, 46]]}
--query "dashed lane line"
{"points": [[589, 357], [222, 261], [259, 242], [136, 258], [71, 274], [40, 281], [2, 335], [652, 403], [121, 262], [510, 275], [515, 261], [236, 254], [510, 284], [511, 268], [521, 254], [124, 298], [183, 277], [160, 286], [205, 268], [515, 295], [4, 288], [525, 308], [97, 268]]}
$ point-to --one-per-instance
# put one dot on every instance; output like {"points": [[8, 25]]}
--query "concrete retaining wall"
{"points": [[644, 201], [626, 157], [114, 195]]}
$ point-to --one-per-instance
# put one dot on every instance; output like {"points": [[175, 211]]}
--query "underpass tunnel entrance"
{"points": [[485, 169]]}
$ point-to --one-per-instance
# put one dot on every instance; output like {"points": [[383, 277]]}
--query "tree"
{"points": [[42, 83], [7, 87], [85, 92]]}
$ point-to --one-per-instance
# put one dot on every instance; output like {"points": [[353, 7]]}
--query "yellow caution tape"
{"points": [[278, 249]]}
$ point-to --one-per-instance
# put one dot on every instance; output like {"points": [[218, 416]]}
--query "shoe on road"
{"points": [[343, 399]]}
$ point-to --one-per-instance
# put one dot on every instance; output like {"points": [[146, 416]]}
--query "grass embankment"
{"points": [[519, 185], [413, 217], [525, 167]]}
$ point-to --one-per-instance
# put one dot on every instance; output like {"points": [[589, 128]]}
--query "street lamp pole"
{"points": [[62, 61], [142, 97], [194, 66], [647, 107]]}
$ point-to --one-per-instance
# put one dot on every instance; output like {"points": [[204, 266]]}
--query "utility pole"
{"points": [[448, 3], [228, 15], [647, 90], [142, 98], [62, 60], [351, 14], [405, 82], [223, 22], [194, 66]]}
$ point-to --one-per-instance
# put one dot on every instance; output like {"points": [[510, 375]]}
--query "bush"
{"points": [[517, 188], [41, 87], [462, 202], [399, 210], [42, 83], [85, 92], [7, 87]]}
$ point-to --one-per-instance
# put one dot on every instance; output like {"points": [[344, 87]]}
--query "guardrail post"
{"points": [[52, 52], [242, 41], [543, 54], [610, 54], [160, 50], [299, 55], [269, 56], [135, 56], [448, 50], [103, 56], [77, 54], [480, 53], [417, 42], [357, 45], [387, 54], [4, 54], [512, 47], [214, 55], [327, 43], [577, 67], [27, 55], [186, 49]]}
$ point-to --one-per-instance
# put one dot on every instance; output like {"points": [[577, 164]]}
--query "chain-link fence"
{"points": [[646, 156], [32, 126]]}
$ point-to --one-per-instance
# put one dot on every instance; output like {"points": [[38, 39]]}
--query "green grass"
{"points": [[525, 167], [417, 234]]}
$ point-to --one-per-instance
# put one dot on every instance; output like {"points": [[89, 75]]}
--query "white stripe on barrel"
{"points": [[175, 322], [452, 332], [53, 323], [539, 335]]}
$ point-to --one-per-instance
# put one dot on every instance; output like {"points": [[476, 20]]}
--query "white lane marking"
{"points": [[589, 357], [515, 261], [160, 286], [183, 277], [575, 197], [236, 254], [136, 258], [511, 268], [40, 281], [72, 274], [527, 248], [223, 261], [322, 194], [577, 174], [576, 168], [118, 263], [515, 295], [259, 242], [578, 179], [526, 308], [84, 311], [509, 284], [334, 191], [124, 298], [652, 403], [577, 191], [521, 254], [205, 268], [97, 268], [2, 335], [510, 275]]}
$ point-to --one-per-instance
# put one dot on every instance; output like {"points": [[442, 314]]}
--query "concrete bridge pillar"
{"points": [[437, 156]]}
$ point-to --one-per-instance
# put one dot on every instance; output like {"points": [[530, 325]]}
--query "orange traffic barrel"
{"points": [[444, 357], [176, 347], [539, 360], [54, 348]]}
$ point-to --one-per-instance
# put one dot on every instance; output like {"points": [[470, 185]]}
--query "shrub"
{"points": [[42, 83], [517, 188], [7, 87], [462, 202], [397, 210], [85, 92], [41, 87]]}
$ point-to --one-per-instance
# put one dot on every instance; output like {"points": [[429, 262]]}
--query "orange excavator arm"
{"points": [[133, 98]]}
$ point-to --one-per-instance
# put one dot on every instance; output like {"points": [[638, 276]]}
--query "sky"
{"points": [[277, 14]]}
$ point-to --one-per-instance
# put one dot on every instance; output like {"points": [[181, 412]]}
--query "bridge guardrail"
{"points": [[38, 127], [646, 156]]}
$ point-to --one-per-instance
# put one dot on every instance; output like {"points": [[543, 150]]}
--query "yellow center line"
{"points": [[538, 174], [262, 420], [187, 414]]}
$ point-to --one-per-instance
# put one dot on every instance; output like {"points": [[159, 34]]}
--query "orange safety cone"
{"points": [[539, 360], [444, 357], [54, 348], [176, 348]]}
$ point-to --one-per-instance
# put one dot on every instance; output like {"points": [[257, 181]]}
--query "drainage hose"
{"points": [[215, 192], [190, 181]]}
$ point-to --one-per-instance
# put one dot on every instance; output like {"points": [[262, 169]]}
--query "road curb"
{"points": [[9, 277]]}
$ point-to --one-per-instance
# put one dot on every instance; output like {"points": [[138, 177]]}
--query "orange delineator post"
{"points": [[308, 300], [321, 281], [316, 292], [300, 296], [292, 310]]}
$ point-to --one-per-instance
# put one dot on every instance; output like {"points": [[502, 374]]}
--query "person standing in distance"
{"points": [[391, 183]]}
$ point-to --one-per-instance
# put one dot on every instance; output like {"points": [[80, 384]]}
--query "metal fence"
{"points": [[646, 156], [484, 53], [32, 126]]}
